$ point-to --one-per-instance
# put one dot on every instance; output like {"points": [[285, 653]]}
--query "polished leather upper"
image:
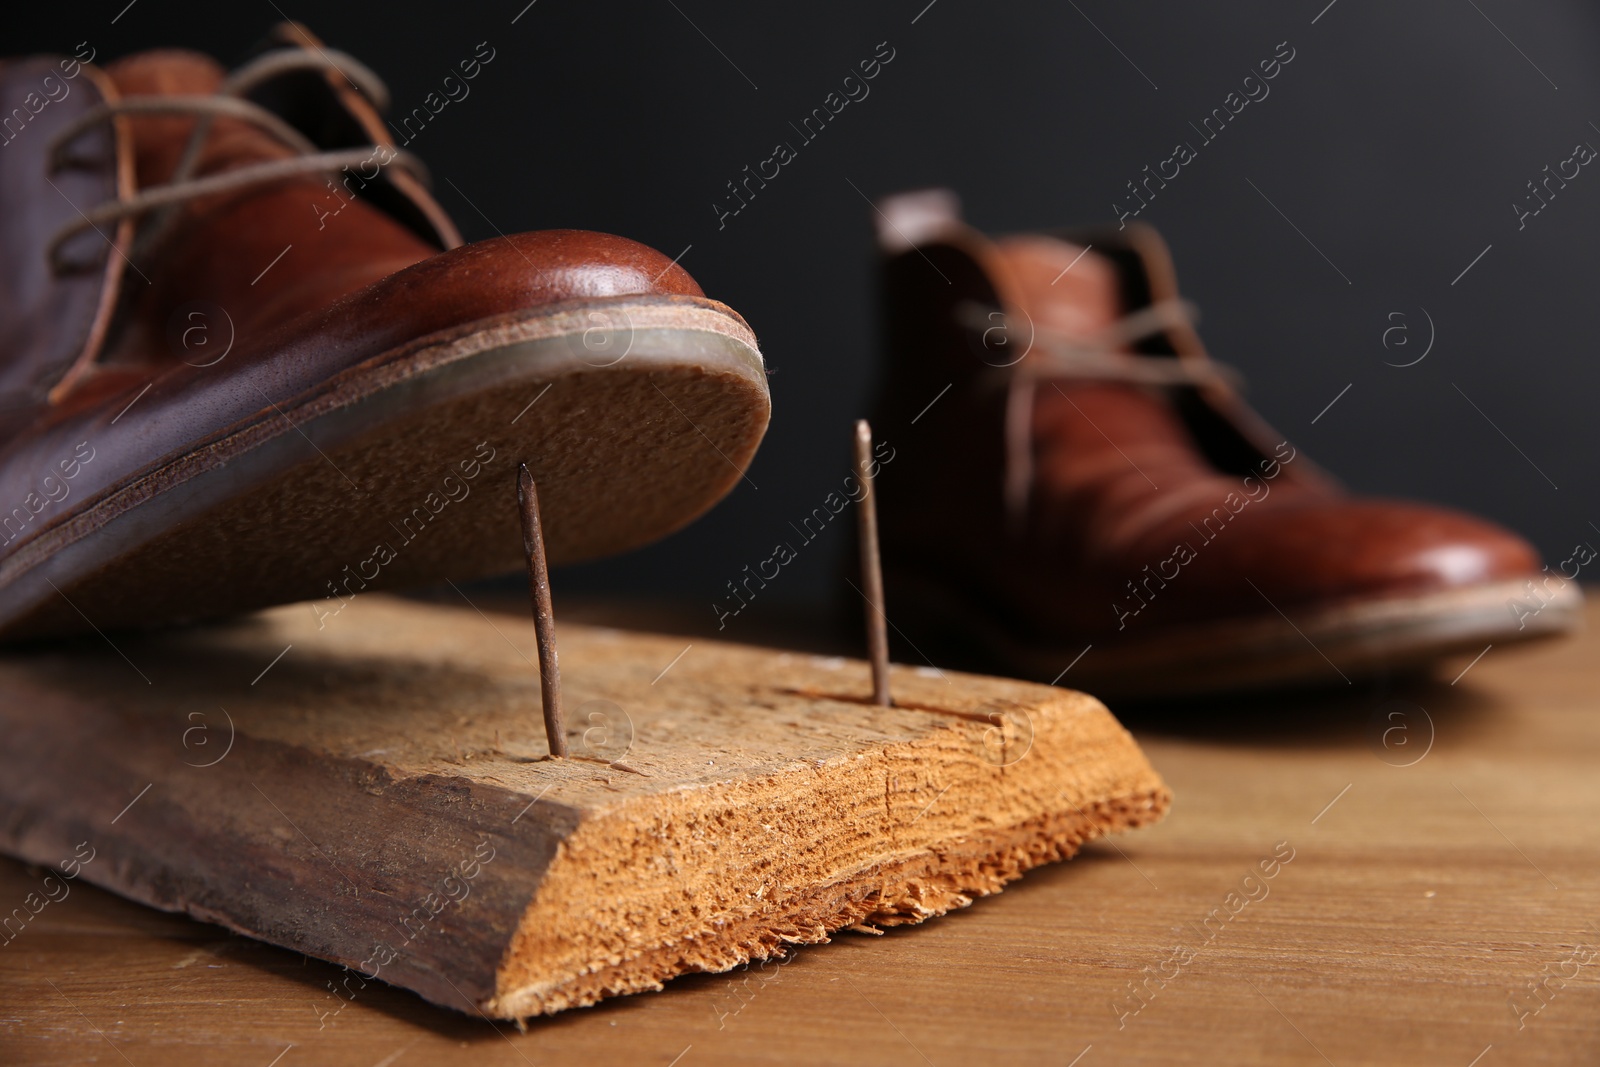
{"points": [[222, 248], [1147, 506], [294, 280]]}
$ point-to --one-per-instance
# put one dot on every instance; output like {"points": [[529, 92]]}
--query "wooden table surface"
{"points": [[1434, 898]]}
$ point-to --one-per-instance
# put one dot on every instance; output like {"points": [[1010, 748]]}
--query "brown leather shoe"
{"points": [[247, 359], [1091, 485]]}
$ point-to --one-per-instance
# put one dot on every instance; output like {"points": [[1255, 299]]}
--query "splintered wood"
{"points": [[380, 795]]}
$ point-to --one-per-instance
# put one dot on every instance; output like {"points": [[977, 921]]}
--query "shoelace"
{"points": [[228, 102], [1103, 356]]}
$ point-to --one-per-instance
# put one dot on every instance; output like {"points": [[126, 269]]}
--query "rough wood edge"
{"points": [[905, 892]]}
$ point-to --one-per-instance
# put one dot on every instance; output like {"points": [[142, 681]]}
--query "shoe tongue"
{"points": [[159, 140], [1062, 286], [166, 72]]}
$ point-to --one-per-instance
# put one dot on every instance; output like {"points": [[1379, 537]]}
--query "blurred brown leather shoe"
{"points": [[247, 359], [1092, 486]]}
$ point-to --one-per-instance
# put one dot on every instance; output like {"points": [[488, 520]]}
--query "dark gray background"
{"points": [[1396, 142]]}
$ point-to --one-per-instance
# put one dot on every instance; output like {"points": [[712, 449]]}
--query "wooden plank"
{"points": [[372, 788]]}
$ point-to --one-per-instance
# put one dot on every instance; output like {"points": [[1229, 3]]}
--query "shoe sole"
{"points": [[635, 416], [1331, 646]]}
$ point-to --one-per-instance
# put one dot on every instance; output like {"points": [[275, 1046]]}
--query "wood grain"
{"points": [[1421, 904], [383, 797]]}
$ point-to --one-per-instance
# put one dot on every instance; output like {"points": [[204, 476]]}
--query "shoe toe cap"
{"points": [[1354, 549], [548, 266]]}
